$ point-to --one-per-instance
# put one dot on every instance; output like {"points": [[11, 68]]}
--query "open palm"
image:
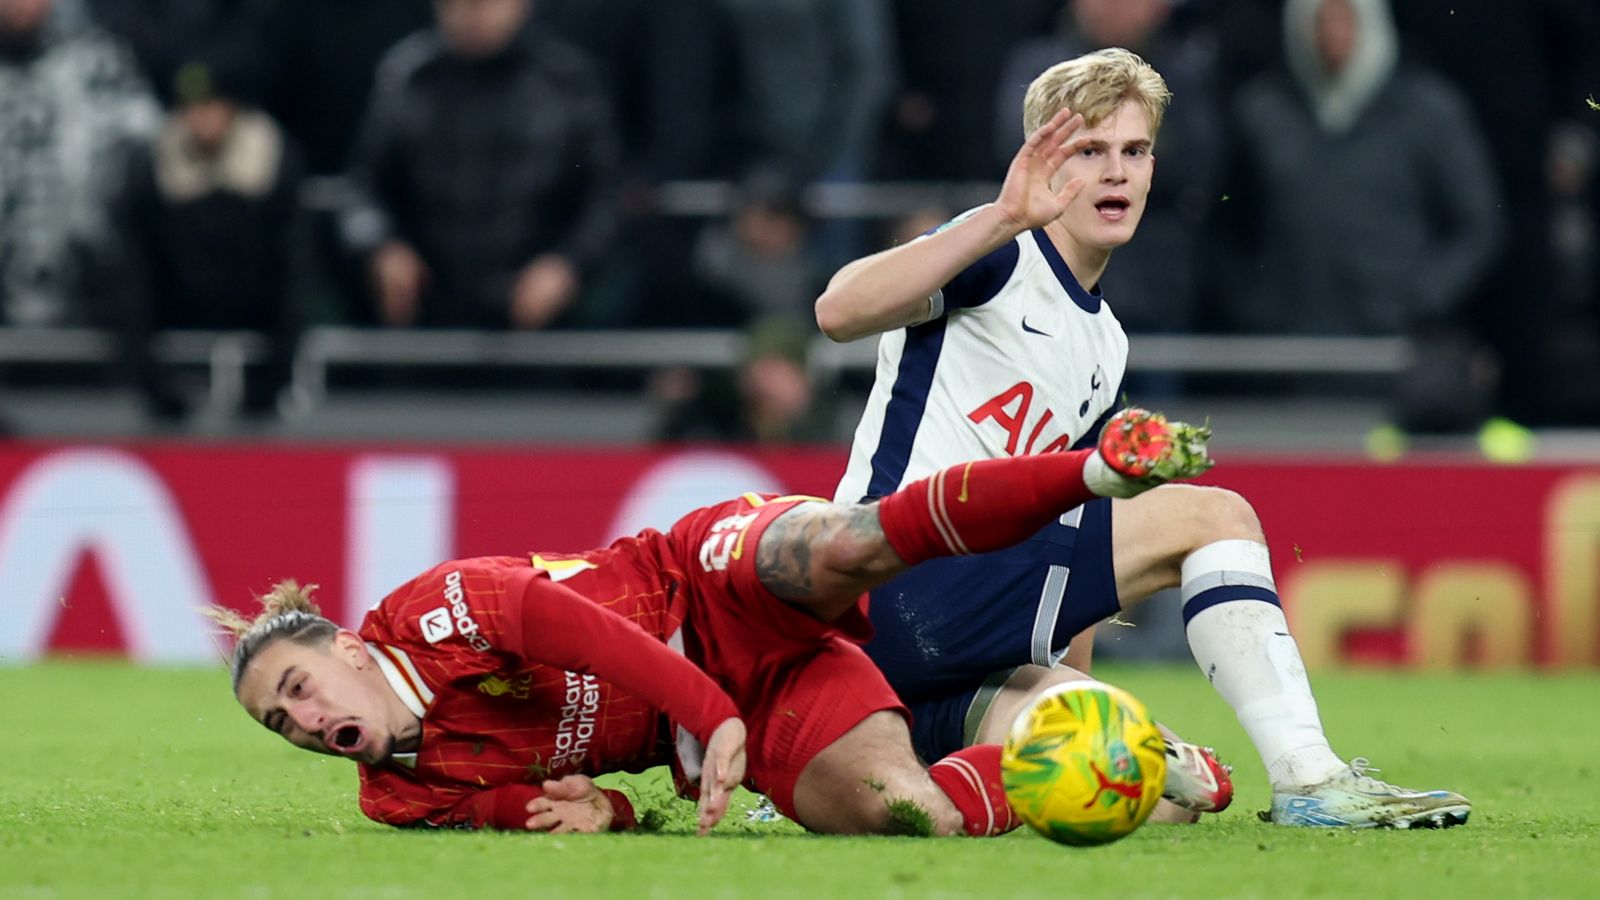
{"points": [[1027, 198]]}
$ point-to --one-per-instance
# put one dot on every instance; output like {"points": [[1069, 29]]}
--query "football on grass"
{"points": [[1084, 764]]}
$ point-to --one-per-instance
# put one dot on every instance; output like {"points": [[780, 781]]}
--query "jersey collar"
{"points": [[407, 685], [1088, 301], [402, 677]]}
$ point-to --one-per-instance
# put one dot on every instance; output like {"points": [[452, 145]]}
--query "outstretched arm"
{"points": [[892, 289], [561, 628], [558, 627]]}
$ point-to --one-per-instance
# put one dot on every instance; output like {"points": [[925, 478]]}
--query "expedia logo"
{"points": [[464, 625], [436, 625]]}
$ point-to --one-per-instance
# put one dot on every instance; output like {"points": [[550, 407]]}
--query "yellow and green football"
{"points": [[1084, 764]]}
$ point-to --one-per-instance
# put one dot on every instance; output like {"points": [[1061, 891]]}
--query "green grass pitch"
{"points": [[127, 782]]}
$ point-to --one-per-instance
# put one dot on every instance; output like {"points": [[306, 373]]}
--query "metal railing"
{"points": [[223, 354], [226, 355]]}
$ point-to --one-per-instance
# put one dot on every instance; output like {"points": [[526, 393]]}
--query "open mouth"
{"points": [[346, 739], [1113, 208]]}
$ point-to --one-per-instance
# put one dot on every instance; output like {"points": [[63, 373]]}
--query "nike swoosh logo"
{"points": [[1032, 330]]}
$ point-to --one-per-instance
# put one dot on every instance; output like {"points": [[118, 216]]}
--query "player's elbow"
{"points": [[834, 316]]}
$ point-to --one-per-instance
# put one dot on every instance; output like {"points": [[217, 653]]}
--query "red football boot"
{"points": [[1196, 779]]}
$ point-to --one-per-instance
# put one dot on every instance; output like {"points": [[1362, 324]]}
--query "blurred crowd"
{"points": [[1424, 169]]}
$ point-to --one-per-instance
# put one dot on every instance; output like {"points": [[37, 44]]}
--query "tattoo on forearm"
{"points": [[784, 556], [862, 521]]}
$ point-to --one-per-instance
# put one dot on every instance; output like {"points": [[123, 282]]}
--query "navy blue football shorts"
{"points": [[949, 631]]}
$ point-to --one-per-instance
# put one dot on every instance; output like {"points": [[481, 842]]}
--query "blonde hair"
{"points": [[1094, 85], [287, 612]]}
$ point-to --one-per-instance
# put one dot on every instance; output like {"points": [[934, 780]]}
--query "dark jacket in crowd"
{"points": [[815, 77], [211, 234], [312, 65], [952, 55], [666, 66], [1369, 204], [1524, 68], [209, 249], [482, 166]]}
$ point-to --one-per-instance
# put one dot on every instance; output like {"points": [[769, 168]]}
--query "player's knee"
{"points": [[1218, 514], [905, 804], [862, 804], [864, 810]]}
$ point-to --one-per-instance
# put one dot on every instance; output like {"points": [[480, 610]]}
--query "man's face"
{"points": [[478, 29], [208, 122], [1337, 31], [23, 16], [1116, 167], [328, 699]]}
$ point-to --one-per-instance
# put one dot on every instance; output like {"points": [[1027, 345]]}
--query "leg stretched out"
{"points": [[822, 556]]}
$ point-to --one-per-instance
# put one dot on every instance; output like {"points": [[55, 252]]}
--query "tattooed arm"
{"points": [[824, 555]]}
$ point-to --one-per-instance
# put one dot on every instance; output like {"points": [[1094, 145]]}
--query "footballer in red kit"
{"points": [[502, 706], [493, 658], [486, 692]]}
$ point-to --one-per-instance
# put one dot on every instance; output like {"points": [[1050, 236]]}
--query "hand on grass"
{"points": [[570, 804], [724, 771]]}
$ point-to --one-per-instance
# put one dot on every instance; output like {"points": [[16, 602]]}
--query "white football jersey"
{"points": [[1015, 358]]}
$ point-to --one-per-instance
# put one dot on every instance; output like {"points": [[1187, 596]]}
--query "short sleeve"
{"points": [[978, 283]]}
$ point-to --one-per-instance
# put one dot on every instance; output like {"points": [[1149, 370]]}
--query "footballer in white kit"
{"points": [[1014, 358], [996, 343]]}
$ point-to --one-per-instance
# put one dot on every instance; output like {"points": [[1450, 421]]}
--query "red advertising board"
{"points": [[110, 549]]}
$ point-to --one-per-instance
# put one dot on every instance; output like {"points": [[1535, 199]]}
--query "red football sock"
{"points": [[981, 506], [970, 777]]}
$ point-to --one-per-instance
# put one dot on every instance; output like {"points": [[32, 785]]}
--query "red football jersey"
{"points": [[518, 678]]}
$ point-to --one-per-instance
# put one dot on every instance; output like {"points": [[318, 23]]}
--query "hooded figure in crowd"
{"points": [[1366, 185]]}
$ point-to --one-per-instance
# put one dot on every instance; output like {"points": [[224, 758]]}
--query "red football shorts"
{"points": [[800, 683]]}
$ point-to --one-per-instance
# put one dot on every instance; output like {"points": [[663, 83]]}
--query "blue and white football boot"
{"points": [[1354, 799]]}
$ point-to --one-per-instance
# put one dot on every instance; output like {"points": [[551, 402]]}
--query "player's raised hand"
{"points": [[572, 803], [724, 771], [1028, 199]]}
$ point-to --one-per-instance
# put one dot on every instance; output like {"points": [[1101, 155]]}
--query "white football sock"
{"points": [[1241, 640], [1104, 481]]}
